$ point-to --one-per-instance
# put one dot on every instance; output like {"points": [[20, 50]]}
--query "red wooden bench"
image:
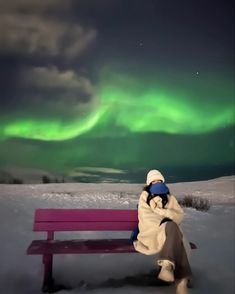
{"points": [[57, 220]]}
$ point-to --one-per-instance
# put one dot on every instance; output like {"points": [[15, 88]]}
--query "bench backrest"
{"points": [[52, 220]]}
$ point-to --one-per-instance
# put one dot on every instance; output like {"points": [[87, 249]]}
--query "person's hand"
{"points": [[158, 201], [156, 206]]}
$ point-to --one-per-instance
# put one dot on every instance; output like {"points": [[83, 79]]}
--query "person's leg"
{"points": [[181, 286], [173, 251]]}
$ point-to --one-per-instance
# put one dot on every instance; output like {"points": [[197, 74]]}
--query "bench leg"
{"points": [[48, 282]]}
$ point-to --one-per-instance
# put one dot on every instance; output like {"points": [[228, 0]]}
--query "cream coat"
{"points": [[152, 235]]}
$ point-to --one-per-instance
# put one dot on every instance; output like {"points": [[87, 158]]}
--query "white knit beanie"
{"points": [[154, 175]]}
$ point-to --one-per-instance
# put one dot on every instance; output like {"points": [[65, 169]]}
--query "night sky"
{"points": [[108, 89]]}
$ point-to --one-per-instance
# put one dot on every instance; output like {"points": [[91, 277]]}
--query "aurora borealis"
{"points": [[136, 109], [118, 86]]}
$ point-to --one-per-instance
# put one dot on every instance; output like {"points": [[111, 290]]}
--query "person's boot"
{"points": [[167, 271], [181, 286]]}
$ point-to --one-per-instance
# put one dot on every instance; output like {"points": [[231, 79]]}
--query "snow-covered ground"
{"points": [[213, 231]]}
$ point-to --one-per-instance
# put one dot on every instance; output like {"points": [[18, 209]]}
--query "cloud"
{"points": [[42, 28], [101, 170], [102, 174], [39, 31], [34, 6], [35, 34], [59, 92], [52, 77]]}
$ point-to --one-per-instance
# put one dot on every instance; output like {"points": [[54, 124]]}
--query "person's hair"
{"points": [[164, 197]]}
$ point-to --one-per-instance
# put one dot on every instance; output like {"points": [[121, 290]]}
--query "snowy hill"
{"points": [[213, 232]]}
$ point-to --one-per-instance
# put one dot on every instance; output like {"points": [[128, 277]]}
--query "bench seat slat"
{"points": [[84, 226], [80, 246], [85, 215]]}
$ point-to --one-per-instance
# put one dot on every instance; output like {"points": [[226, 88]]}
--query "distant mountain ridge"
{"points": [[19, 175]]}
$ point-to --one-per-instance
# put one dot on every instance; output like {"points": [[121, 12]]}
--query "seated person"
{"points": [[159, 216]]}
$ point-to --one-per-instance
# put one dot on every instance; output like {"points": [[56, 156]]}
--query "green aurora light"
{"points": [[49, 129], [133, 106]]}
